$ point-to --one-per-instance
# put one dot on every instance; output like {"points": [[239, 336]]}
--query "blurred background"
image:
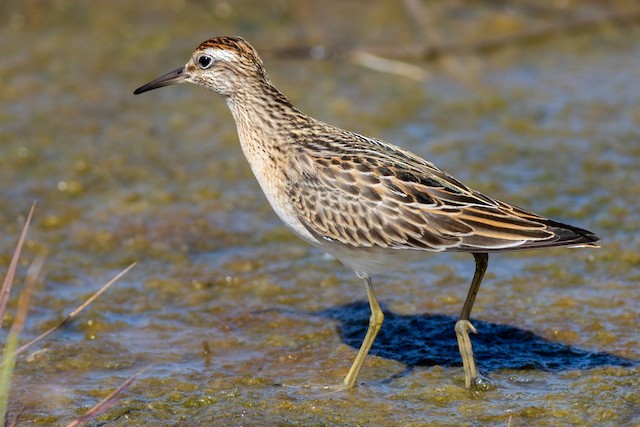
{"points": [[531, 102]]}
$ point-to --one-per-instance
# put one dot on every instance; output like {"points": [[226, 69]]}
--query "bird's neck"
{"points": [[266, 121], [264, 118], [267, 124]]}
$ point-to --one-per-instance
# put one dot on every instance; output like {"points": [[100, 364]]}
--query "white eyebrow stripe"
{"points": [[221, 54]]}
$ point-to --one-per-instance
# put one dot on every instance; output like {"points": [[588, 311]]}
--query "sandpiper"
{"points": [[371, 204]]}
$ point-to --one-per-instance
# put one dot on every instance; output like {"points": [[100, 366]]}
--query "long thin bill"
{"points": [[175, 76]]}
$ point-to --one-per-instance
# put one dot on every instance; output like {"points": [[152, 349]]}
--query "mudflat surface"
{"points": [[244, 323]]}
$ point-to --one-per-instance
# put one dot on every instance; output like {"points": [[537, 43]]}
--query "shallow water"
{"points": [[159, 179]]}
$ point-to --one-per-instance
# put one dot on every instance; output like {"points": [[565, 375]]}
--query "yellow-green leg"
{"points": [[375, 323], [463, 325]]}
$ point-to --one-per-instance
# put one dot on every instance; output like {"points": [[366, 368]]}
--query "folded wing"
{"points": [[390, 198]]}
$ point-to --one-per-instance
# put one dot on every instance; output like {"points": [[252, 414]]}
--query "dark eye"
{"points": [[205, 61]]}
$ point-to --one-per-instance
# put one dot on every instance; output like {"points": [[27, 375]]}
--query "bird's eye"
{"points": [[205, 61]]}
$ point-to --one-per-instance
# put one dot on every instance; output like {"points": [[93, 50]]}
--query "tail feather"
{"points": [[568, 235], [564, 235]]}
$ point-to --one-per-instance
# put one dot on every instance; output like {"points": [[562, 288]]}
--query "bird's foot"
{"points": [[466, 352]]}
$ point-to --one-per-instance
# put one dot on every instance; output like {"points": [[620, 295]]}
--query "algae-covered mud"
{"points": [[243, 323]]}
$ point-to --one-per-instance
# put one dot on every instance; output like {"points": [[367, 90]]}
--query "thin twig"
{"points": [[108, 402], [13, 265], [74, 313]]}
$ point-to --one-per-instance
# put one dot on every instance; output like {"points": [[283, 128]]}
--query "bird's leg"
{"points": [[463, 325], [375, 323]]}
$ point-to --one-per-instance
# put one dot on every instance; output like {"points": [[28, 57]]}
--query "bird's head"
{"points": [[226, 65]]}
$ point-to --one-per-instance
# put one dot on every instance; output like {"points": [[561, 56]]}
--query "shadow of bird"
{"points": [[429, 340]]}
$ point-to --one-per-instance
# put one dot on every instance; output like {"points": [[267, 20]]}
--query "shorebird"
{"points": [[372, 205]]}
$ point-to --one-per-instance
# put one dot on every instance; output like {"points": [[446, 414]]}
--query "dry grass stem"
{"points": [[74, 313], [13, 265], [9, 357], [14, 423], [390, 66], [107, 402], [10, 351]]}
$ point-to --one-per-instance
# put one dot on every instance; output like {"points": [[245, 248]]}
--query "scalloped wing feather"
{"points": [[363, 193]]}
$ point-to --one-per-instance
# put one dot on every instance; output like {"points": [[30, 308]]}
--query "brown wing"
{"points": [[384, 196]]}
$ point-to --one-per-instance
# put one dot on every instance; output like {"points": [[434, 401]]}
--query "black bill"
{"points": [[175, 76]]}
